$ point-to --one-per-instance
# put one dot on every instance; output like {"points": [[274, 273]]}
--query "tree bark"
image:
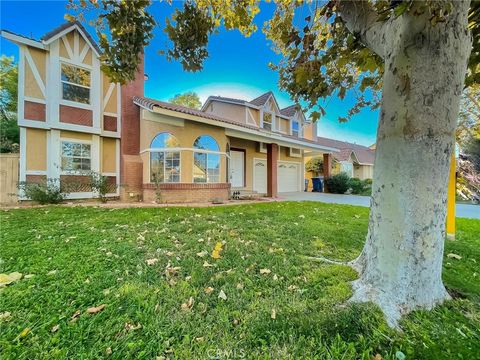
{"points": [[400, 267]]}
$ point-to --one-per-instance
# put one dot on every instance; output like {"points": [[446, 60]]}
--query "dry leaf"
{"points": [[169, 253], [25, 332], [75, 315], [108, 351], [29, 276], [208, 290], [378, 357], [292, 287], [5, 316], [206, 264], [454, 256], [265, 271], [188, 305], [95, 309], [222, 295], [240, 286], [202, 254], [273, 315], [55, 328], [275, 277], [52, 272], [200, 339], [131, 327], [151, 261], [6, 279]]}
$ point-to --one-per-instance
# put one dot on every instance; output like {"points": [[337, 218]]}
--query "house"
{"points": [[355, 160], [73, 121]]}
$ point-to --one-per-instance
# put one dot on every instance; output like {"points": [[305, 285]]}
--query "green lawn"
{"points": [[277, 303]]}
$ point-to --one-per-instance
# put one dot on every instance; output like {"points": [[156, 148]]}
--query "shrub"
{"points": [[48, 192], [100, 185], [338, 184]]}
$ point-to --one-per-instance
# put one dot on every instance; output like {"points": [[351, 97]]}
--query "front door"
{"points": [[237, 168]]}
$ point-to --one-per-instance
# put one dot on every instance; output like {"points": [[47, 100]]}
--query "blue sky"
{"points": [[237, 66]]}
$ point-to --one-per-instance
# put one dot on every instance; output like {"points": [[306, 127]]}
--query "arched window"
{"points": [[164, 159], [206, 160]]}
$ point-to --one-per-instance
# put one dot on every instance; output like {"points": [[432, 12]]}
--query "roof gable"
{"points": [[66, 28]]}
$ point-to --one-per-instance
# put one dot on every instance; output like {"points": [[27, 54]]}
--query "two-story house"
{"points": [[73, 121]]}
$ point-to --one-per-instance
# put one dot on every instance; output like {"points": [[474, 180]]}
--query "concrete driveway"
{"points": [[463, 210]]}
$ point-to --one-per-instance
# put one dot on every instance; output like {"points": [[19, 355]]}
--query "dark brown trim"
{"points": [[244, 163]]}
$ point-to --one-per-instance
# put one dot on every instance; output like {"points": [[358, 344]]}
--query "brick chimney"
{"points": [[131, 166]]}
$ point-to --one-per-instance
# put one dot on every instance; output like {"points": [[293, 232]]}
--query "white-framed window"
{"points": [[346, 167], [295, 128], [206, 163], [75, 83], [267, 122], [295, 152], [76, 156], [164, 159]]}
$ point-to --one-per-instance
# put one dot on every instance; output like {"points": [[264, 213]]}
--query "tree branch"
{"points": [[362, 20]]}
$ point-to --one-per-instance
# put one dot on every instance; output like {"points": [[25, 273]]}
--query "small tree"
{"points": [[315, 165], [9, 130], [188, 99], [100, 185]]}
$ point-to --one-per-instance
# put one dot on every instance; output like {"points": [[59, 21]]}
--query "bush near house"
{"points": [[338, 184], [360, 187], [43, 192]]}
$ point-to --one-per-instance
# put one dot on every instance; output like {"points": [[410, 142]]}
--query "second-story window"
{"points": [[267, 121], [295, 128], [75, 84]]}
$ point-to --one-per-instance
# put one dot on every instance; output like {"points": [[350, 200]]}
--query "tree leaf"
{"points": [[96, 309]]}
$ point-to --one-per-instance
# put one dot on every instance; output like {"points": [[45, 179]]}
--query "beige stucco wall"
{"points": [[109, 155], [153, 124], [36, 149], [255, 115], [32, 89], [227, 110], [111, 106], [363, 171], [75, 135], [284, 125]]}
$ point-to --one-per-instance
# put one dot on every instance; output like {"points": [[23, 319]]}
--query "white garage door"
{"points": [[288, 177]]}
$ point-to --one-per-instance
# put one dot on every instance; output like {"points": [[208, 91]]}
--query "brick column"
{"points": [[272, 156], [131, 166], [327, 165]]}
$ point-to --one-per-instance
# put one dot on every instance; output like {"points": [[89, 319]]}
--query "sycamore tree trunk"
{"points": [[400, 267]]}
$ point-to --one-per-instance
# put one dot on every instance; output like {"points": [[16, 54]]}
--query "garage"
{"points": [[288, 176]]}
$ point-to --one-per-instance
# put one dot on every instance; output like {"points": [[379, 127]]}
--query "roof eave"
{"points": [[18, 39]]}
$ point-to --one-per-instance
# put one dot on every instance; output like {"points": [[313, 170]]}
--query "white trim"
{"points": [[35, 72], [110, 114], [66, 43], [75, 104], [53, 154], [79, 195], [107, 96], [21, 84], [109, 174], [65, 126], [35, 100], [79, 141], [84, 52], [22, 161], [117, 165], [119, 110], [36, 172], [75, 63], [292, 154], [22, 40], [53, 84], [250, 117], [76, 45], [66, 31], [112, 134]]}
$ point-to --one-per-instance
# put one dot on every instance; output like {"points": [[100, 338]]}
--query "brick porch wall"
{"points": [[186, 193]]}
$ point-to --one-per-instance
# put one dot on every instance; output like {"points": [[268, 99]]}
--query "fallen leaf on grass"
{"points": [[454, 256], [75, 315], [5, 316], [29, 276], [6, 279], [273, 315], [240, 286], [151, 261], [202, 254], [24, 333], [95, 309], [131, 327], [55, 328], [265, 271], [108, 351], [187, 305], [208, 290], [217, 250], [222, 295], [52, 272], [378, 357], [292, 287], [206, 264]]}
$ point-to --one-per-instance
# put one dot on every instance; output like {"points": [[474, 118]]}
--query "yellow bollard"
{"points": [[452, 185]]}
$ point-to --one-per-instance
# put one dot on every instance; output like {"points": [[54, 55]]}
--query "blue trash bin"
{"points": [[317, 184]]}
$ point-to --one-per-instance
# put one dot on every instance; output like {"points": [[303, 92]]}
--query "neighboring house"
{"points": [[355, 160], [73, 120]]}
